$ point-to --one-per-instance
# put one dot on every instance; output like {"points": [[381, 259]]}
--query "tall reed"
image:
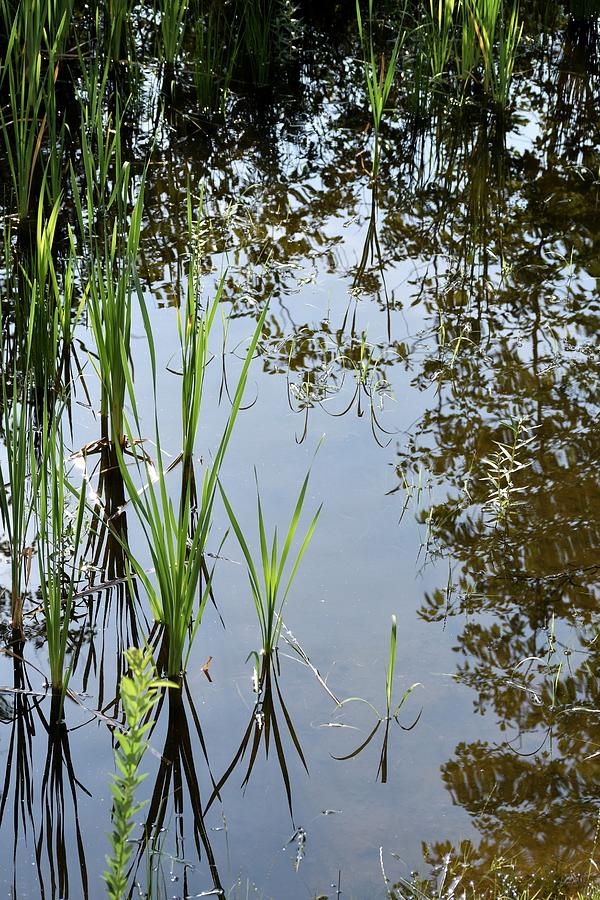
{"points": [[37, 33], [111, 235], [59, 549], [508, 43], [378, 74], [177, 600], [172, 28], [18, 476], [216, 50], [439, 35], [109, 303]]}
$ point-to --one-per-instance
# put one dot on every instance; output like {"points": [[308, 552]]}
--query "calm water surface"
{"points": [[470, 281]]}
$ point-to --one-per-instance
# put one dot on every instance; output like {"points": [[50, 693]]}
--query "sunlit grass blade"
{"points": [[267, 595]]}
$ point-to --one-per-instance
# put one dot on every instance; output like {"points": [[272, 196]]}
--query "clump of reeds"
{"points": [[217, 45], [18, 477], [59, 531], [37, 32], [270, 592], [379, 74], [475, 42], [177, 537]]}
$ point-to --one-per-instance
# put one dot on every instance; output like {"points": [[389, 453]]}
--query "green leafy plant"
{"points": [[270, 593], [139, 693], [177, 558]]}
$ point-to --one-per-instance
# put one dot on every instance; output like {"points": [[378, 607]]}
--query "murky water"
{"points": [[442, 334]]}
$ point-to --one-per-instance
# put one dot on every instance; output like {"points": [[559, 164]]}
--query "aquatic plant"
{"points": [[216, 49], [269, 594], [391, 712], [172, 28], [439, 35], [473, 35], [59, 531], [109, 304], [139, 692], [18, 479], [257, 24], [194, 329], [37, 30], [178, 559], [508, 42], [378, 75]]}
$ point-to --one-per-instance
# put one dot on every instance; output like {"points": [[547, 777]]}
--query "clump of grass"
{"points": [[439, 32], [177, 557], [36, 33], [477, 40], [194, 329], [217, 46], [139, 692], [271, 592], [59, 549], [172, 28], [18, 478]]}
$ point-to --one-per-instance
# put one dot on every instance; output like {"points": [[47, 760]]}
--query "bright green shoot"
{"points": [[269, 594], [389, 678], [139, 693]]}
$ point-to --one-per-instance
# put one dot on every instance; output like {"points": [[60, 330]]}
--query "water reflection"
{"points": [[468, 278], [269, 722], [50, 828], [176, 789]]}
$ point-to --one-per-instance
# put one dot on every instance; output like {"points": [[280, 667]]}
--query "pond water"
{"points": [[438, 331]]}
